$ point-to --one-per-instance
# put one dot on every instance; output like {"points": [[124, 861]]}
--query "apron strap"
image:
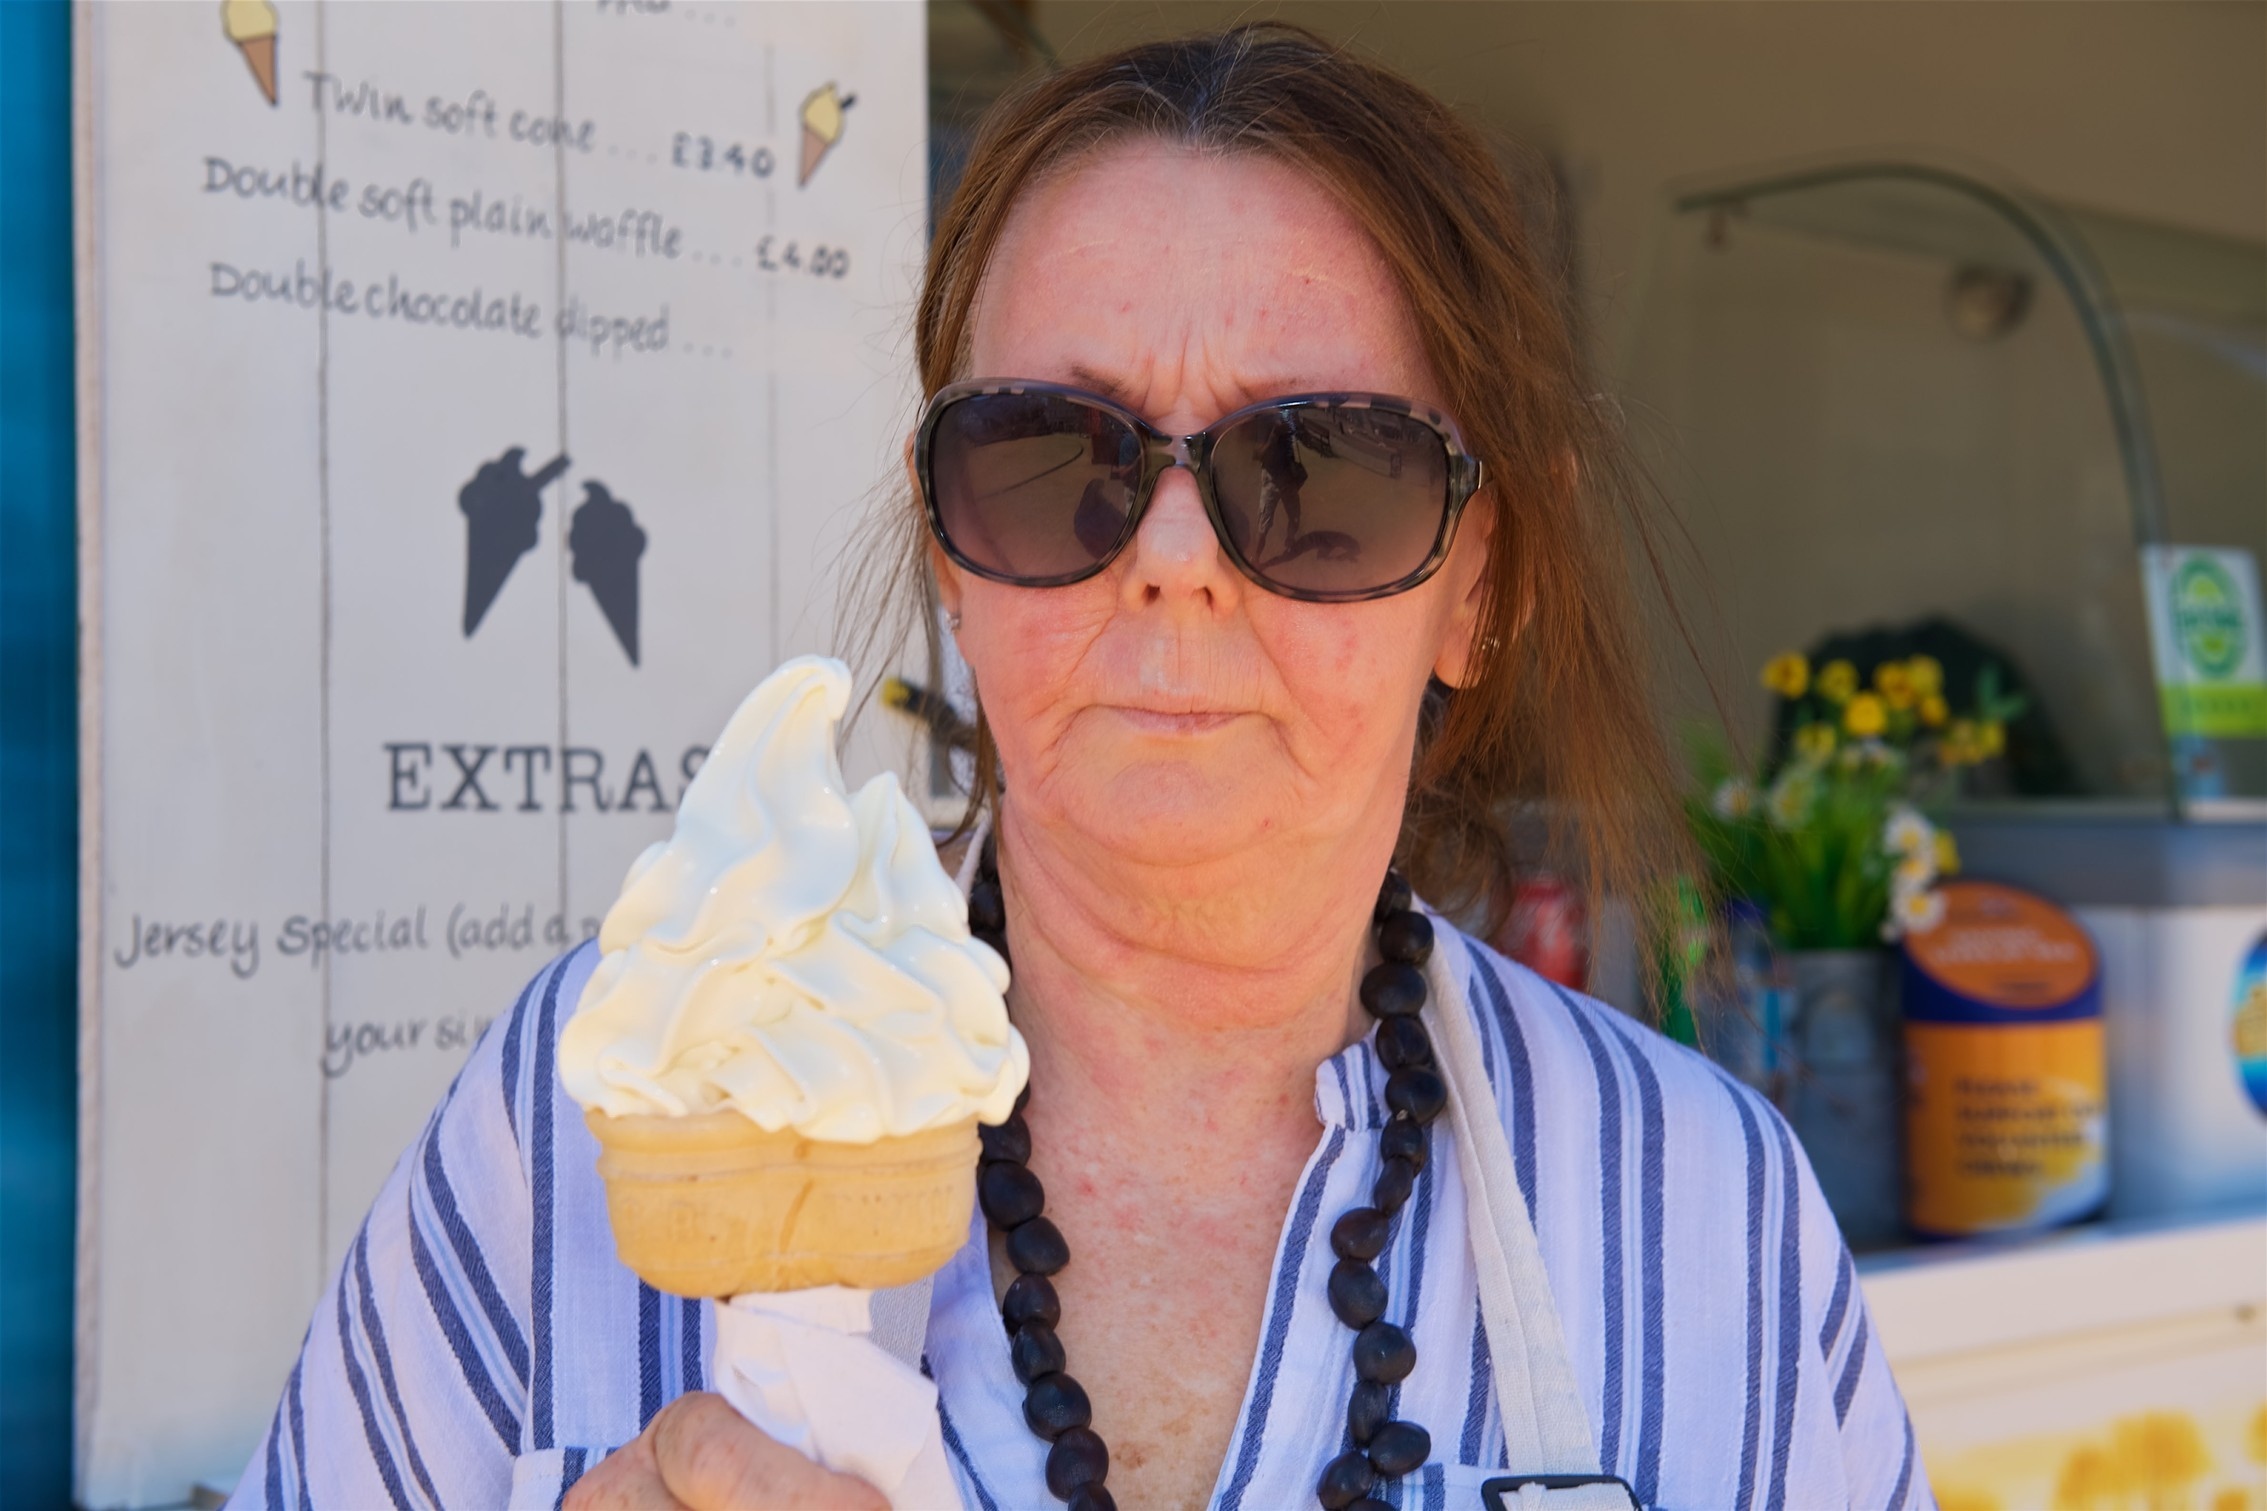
{"points": [[1545, 1427]]}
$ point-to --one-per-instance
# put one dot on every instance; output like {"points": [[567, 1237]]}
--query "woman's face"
{"points": [[1166, 709]]}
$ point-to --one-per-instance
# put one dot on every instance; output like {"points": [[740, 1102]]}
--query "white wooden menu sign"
{"points": [[475, 398]]}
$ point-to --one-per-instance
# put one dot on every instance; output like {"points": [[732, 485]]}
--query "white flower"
{"points": [[1734, 798], [1907, 833], [1914, 913], [1791, 798], [1914, 873]]}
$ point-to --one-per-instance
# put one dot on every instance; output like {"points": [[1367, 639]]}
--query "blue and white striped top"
{"points": [[481, 1346]]}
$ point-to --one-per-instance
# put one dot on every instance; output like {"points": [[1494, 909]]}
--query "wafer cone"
{"points": [[814, 147], [711, 1205], [260, 53]]}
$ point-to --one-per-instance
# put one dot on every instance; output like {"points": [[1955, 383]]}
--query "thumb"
{"points": [[712, 1459]]}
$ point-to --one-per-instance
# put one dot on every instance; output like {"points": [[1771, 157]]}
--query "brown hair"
{"points": [[1560, 709]]}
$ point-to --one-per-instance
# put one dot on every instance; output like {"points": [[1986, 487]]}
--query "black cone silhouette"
{"points": [[502, 507], [605, 542]]}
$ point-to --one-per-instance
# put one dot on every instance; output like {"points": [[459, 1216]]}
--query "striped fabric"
{"points": [[481, 1347]]}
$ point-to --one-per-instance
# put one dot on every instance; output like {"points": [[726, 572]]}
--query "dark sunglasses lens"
{"points": [[1332, 500], [1034, 487]]}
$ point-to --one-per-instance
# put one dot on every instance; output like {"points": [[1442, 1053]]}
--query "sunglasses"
{"points": [[1326, 497]]}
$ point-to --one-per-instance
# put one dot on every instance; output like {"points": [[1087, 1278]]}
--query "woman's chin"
{"points": [[1160, 808]]}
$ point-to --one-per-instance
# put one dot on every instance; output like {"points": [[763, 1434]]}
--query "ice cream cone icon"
{"points": [[251, 25], [605, 542], [502, 508], [822, 127]]}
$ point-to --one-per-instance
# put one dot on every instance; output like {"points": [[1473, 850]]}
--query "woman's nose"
{"points": [[1176, 555]]}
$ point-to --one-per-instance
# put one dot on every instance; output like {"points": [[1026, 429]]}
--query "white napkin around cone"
{"points": [[802, 1366]]}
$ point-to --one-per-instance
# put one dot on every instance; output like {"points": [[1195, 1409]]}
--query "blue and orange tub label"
{"points": [[2006, 1125]]}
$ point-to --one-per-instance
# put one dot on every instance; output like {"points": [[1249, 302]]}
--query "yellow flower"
{"points": [[1788, 675], [1994, 738], [1947, 854], [1894, 683], [1934, 710], [1838, 680], [1865, 716], [1926, 675], [1814, 742], [1961, 744]]}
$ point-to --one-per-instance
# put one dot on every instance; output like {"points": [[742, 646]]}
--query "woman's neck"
{"points": [[1184, 1009]]}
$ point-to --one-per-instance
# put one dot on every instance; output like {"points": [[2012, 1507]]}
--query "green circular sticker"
{"points": [[2207, 617]]}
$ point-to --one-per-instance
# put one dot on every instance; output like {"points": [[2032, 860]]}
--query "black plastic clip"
{"points": [[1492, 1492]]}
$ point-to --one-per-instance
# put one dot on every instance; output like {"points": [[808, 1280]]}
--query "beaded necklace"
{"points": [[1055, 1405]]}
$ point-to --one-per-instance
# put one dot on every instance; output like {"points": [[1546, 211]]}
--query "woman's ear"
{"points": [[1466, 574], [941, 566]]}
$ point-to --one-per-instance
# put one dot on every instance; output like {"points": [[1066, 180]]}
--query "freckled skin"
{"points": [[1205, 779]]}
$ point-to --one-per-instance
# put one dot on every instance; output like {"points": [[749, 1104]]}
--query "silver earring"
{"points": [[952, 622]]}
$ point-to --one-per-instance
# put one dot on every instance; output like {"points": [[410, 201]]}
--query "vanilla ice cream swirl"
{"points": [[794, 952]]}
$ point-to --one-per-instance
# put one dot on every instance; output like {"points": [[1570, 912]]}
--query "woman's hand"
{"points": [[698, 1454]]}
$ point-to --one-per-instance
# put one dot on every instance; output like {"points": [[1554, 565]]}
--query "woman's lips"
{"points": [[1169, 722]]}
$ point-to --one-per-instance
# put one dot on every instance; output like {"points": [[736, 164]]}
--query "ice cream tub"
{"points": [[2006, 1122]]}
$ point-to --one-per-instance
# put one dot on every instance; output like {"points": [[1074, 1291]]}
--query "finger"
{"points": [[626, 1480], [713, 1460]]}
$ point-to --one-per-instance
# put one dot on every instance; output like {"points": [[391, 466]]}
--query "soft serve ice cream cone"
{"points": [[791, 1036], [251, 25]]}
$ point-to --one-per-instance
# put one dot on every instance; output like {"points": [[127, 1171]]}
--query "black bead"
{"points": [[1396, 1179], [1023, 1097], [1345, 1480], [1367, 1410], [1407, 937], [1035, 1351], [1037, 1248], [1092, 1498], [1393, 990], [1360, 1234], [1010, 1141], [1403, 1042], [987, 911], [1054, 1404], [1078, 1458], [1398, 1448], [1356, 1293], [1393, 897], [1370, 1503], [1009, 1194], [1420, 1093], [1383, 1352], [1031, 1298], [1404, 1138]]}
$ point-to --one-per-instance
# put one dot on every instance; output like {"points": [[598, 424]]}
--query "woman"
{"points": [[1225, 682]]}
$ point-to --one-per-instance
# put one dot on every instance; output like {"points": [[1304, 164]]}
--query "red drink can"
{"points": [[1548, 930]]}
